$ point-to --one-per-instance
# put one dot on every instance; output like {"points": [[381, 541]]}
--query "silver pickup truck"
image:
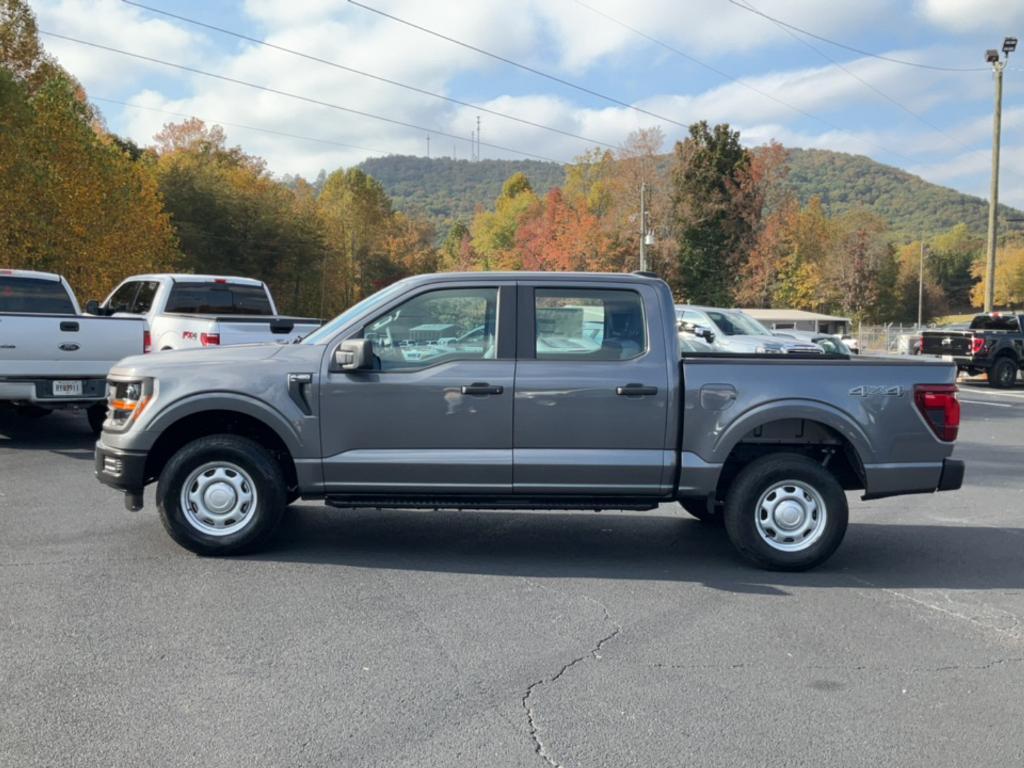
{"points": [[524, 390]]}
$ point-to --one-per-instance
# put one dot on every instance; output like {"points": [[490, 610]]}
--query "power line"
{"points": [[370, 75], [854, 49], [524, 67], [727, 76], [212, 121], [287, 94], [855, 76]]}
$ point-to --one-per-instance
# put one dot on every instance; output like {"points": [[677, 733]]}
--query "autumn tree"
{"points": [[710, 212], [951, 255], [72, 201], [494, 232], [1009, 287]]}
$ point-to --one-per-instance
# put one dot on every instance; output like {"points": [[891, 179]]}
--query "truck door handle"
{"points": [[481, 388], [635, 390], [68, 325]]}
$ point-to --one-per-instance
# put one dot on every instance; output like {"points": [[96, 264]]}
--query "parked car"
{"points": [[186, 311], [768, 443], [829, 343], [53, 357], [993, 344], [733, 331]]}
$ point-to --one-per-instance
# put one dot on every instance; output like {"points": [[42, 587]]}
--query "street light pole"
{"points": [[992, 56], [643, 226], [920, 286]]}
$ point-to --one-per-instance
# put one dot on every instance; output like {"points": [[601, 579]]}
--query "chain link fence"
{"points": [[892, 338]]}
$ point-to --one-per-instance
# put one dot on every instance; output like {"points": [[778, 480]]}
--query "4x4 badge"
{"points": [[868, 390]]}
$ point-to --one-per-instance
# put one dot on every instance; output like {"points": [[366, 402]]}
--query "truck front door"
{"points": [[435, 416], [592, 386]]}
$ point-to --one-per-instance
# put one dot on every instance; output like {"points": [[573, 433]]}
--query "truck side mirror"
{"points": [[704, 333], [92, 307], [354, 355]]}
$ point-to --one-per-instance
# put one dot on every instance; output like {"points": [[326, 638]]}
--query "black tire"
{"points": [[269, 483], [699, 509], [96, 414], [1003, 374], [742, 513]]}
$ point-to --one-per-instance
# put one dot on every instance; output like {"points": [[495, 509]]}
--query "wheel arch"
{"points": [[176, 432]]}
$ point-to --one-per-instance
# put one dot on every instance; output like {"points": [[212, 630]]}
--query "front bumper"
{"points": [[123, 470], [952, 476]]}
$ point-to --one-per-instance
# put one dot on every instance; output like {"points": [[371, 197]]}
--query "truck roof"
{"points": [[616, 277], [187, 278], [28, 273]]}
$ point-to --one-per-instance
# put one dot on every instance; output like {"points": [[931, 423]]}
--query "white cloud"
{"points": [[115, 24], [998, 16]]}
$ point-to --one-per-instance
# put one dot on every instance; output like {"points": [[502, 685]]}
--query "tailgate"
{"points": [[256, 330], [48, 346], [952, 343]]}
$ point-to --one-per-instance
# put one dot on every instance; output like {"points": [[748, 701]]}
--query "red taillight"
{"points": [[977, 344], [940, 407], [147, 343], [209, 339]]}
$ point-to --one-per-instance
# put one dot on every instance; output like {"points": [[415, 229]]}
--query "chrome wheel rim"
{"points": [[219, 498], [790, 516]]}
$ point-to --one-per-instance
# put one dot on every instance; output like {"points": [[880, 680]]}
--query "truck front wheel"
{"points": [[1003, 373], [786, 512], [221, 495]]}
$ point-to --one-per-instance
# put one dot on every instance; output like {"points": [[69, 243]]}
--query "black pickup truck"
{"points": [[994, 343]]}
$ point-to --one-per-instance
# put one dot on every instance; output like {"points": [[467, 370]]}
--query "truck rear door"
{"points": [[592, 388]]}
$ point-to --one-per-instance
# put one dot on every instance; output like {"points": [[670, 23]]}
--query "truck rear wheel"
{"points": [[221, 495], [786, 512], [96, 414], [1003, 374]]}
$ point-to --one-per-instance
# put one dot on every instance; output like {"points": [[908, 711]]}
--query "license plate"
{"points": [[67, 389], [948, 358]]}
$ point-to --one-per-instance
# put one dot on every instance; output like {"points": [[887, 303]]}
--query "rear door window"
{"points": [[218, 299], [588, 324], [34, 296]]}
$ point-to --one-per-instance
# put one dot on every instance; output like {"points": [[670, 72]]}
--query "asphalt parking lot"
{"points": [[509, 639]]}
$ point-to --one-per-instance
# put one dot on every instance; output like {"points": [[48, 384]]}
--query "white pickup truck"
{"points": [[52, 356], [185, 311]]}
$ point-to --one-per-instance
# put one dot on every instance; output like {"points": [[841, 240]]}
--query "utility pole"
{"points": [[428, 146], [920, 286], [643, 226], [992, 57], [478, 137]]}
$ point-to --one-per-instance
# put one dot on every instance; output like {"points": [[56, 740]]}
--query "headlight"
{"points": [[126, 400], [769, 349]]}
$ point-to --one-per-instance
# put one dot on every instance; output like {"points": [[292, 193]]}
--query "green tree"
{"points": [[951, 255], [711, 204], [494, 232]]}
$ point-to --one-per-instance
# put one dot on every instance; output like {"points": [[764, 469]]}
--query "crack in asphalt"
{"points": [[594, 652], [855, 668]]}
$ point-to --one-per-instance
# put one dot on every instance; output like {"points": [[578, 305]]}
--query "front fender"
{"points": [[289, 430]]}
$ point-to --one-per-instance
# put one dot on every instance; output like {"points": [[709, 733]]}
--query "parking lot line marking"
{"points": [[991, 393], [982, 402]]}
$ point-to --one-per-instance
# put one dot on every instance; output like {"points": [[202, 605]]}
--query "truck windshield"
{"points": [[33, 296], [326, 331], [738, 324], [995, 323]]}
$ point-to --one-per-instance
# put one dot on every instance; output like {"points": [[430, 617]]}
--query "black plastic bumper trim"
{"points": [[133, 469], [952, 476]]}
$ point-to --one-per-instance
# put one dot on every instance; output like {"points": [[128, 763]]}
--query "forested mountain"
{"points": [[910, 204], [446, 190]]}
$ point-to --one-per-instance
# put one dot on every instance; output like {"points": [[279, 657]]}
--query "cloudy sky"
{"points": [[677, 60]]}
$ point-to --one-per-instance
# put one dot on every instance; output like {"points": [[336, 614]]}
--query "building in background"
{"points": [[799, 320]]}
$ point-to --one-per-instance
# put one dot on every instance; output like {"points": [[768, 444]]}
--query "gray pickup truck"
{"points": [[524, 390]]}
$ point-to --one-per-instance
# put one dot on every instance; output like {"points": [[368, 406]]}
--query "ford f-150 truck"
{"points": [[52, 356], [185, 311], [994, 343], [524, 390]]}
